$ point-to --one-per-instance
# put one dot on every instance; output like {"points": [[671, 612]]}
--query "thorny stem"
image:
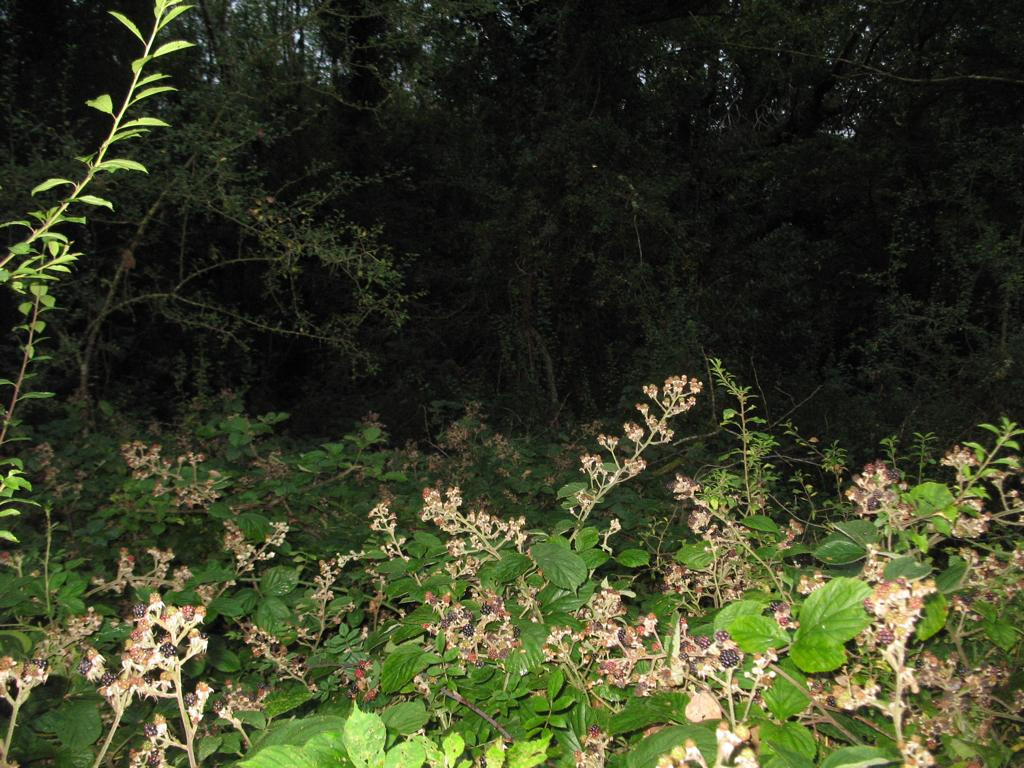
{"points": [[118, 714], [16, 703]]}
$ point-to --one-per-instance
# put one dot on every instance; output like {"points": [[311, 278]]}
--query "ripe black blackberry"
{"points": [[190, 699], [702, 641], [729, 658], [885, 636], [138, 611], [722, 636], [168, 649], [109, 678], [621, 635], [41, 664], [776, 605], [84, 667], [468, 631], [486, 609], [517, 632], [831, 701], [155, 759], [150, 730]]}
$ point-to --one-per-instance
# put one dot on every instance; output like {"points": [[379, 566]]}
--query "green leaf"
{"points": [[402, 665], [695, 555], [120, 164], [272, 615], [587, 538], [94, 200], [646, 753], [511, 566], [453, 746], [561, 567], [139, 122], [863, 532], [756, 634], [129, 24], [145, 94], [1000, 632], [950, 579], [172, 15], [527, 754], [828, 618], [364, 737], [77, 723], [555, 683], [634, 558], [103, 103], [725, 617], [295, 733], [836, 549], [279, 580], [280, 757], [930, 499], [405, 718], [650, 710], [50, 184], [858, 757], [933, 617], [788, 737], [408, 754], [285, 699], [171, 47], [784, 699], [761, 523], [326, 749], [906, 567]]}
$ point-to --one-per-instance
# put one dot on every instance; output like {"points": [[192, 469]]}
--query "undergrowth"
{"points": [[212, 595]]}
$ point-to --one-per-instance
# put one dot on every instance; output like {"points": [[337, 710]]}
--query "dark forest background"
{"points": [[400, 206]]}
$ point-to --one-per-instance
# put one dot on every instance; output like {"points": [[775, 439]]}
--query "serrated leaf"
{"points": [[788, 736], [695, 555], [103, 103], [863, 532], [279, 580], [828, 618], [761, 523], [633, 558], [933, 616], [408, 754], [285, 699], [527, 754], [279, 757], [405, 717], [402, 665], [756, 634], [837, 549], [561, 567], [364, 736], [646, 753], [129, 24], [906, 567], [784, 698], [50, 184]]}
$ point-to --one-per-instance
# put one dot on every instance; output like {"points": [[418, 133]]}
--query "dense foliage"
{"points": [[541, 205], [412, 204]]}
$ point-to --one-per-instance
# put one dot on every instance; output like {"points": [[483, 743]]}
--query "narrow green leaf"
{"points": [[171, 47], [50, 184], [93, 200], [129, 24], [172, 15], [145, 94], [154, 122], [858, 757], [118, 164]]}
